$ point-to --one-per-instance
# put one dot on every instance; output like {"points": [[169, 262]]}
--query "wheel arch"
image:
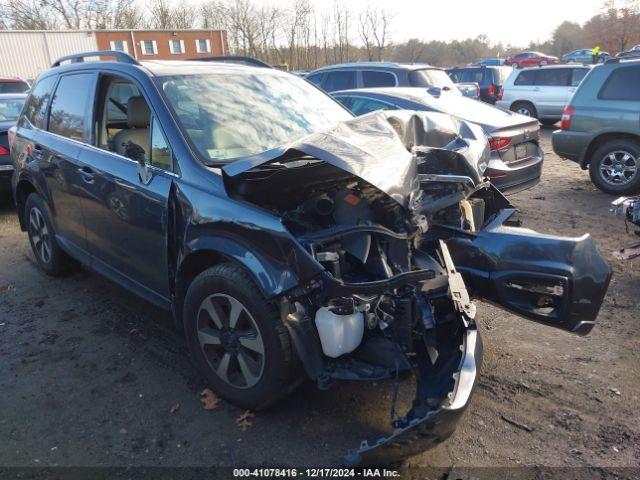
{"points": [[24, 188], [598, 141]]}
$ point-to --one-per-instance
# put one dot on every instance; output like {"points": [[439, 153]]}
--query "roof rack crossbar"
{"points": [[634, 56], [243, 59], [79, 57]]}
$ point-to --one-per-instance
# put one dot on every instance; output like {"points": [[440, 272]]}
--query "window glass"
{"points": [[454, 75], [120, 46], [553, 77], [70, 106], [371, 78], [472, 75], [36, 109], [175, 46], [360, 106], [160, 153], [13, 87], [316, 78], [577, 75], [202, 46], [227, 116], [622, 84], [340, 80], [148, 47], [430, 78], [10, 109], [117, 97], [526, 78]]}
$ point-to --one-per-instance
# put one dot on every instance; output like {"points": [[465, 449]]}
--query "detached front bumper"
{"points": [[418, 434]]}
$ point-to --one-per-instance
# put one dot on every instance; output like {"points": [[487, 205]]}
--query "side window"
{"points": [[360, 106], [622, 84], [160, 153], [36, 110], [553, 77], [70, 106], [346, 101], [577, 76], [340, 80], [472, 76], [316, 78], [527, 77], [371, 78]]}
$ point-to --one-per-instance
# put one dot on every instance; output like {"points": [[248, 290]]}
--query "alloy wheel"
{"points": [[40, 235], [230, 340], [523, 111], [618, 167]]}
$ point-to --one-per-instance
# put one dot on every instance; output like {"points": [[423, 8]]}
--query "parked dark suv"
{"points": [[490, 79], [288, 237], [600, 127], [345, 76]]}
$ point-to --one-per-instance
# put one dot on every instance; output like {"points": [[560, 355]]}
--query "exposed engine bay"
{"points": [[406, 231]]}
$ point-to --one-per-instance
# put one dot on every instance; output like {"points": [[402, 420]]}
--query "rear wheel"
{"points": [[238, 339], [50, 257], [613, 167], [524, 108]]}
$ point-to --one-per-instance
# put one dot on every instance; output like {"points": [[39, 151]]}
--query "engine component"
{"points": [[339, 333]]}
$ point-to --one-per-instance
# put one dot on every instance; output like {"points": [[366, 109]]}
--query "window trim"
{"points": [[23, 117], [377, 70], [567, 85], [207, 45], [152, 110], [125, 44], [366, 97], [172, 50], [88, 127], [143, 47]]}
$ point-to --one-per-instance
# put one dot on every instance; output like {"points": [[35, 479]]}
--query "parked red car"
{"points": [[13, 85], [531, 59]]}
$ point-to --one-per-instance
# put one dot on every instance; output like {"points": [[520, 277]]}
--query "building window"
{"points": [[119, 46], [203, 46], [176, 46], [149, 47]]}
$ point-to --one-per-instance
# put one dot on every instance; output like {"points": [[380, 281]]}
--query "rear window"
{"points": [[527, 77], [430, 78], [371, 78], [340, 80], [316, 78], [578, 75], [472, 75], [36, 110], [10, 109], [69, 107], [622, 84], [500, 75], [553, 77], [13, 87]]}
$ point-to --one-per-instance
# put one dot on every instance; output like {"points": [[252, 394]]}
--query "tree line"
{"points": [[304, 38]]}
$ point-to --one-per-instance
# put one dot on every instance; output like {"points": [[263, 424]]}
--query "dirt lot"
{"points": [[89, 373]]}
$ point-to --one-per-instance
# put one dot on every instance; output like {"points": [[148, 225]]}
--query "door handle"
{"points": [[86, 173]]}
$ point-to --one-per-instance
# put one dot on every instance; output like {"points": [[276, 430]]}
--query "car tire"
{"points": [[50, 257], [525, 108], [611, 161], [250, 363]]}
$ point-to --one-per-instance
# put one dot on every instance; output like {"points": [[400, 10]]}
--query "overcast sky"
{"points": [[517, 22]]}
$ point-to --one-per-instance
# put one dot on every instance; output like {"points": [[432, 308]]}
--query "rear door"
{"points": [[340, 80], [552, 90], [619, 99], [58, 150], [127, 190]]}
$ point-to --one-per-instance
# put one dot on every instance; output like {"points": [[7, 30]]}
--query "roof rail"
{"points": [[79, 57], [635, 56], [254, 62]]}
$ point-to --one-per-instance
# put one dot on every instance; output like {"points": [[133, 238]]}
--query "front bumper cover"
{"points": [[422, 433]]}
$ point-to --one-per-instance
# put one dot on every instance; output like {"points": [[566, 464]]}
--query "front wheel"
{"points": [[524, 108], [613, 167], [237, 338]]}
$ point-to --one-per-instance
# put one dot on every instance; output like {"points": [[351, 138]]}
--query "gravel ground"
{"points": [[89, 373]]}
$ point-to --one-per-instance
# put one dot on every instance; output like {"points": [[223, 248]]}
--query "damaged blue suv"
{"points": [[288, 238]]}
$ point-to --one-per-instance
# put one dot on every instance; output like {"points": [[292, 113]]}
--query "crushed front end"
{"points": [[394, 211]]}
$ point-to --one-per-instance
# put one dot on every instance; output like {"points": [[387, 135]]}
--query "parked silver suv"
{"points": [[541, 92]]}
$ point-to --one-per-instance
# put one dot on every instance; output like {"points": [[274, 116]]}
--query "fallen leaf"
{"points": [[209, 399], [245, 421], [174, 408]]}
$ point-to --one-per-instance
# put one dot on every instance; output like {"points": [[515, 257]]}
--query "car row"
{"points": [[10, 107], [288, 237]]}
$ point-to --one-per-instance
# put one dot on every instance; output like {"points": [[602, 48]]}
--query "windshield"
{"points": [[430, 78], [227, 116], [10, 109]]}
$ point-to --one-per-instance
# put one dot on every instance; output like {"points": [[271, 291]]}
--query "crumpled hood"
{"points": [[378, 148]]}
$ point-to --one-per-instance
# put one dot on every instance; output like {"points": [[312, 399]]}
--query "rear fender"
{"points": [[556, 281]]}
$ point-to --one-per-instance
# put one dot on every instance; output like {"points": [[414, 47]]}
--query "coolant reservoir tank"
{"points": [[339, 334]]}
